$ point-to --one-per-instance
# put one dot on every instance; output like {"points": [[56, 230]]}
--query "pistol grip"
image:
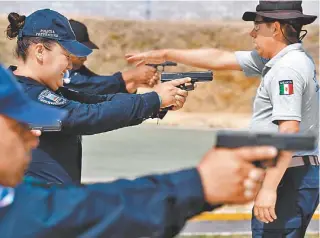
{"points": [[167, 108], [159, 68], [186, 87], [264, 164]]}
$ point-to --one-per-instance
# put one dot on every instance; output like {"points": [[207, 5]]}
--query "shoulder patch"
{"points": [[48, 97], [286, 87]]}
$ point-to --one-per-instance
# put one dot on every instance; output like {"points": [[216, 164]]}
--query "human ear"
{"points": [[276, 28], [39, 52]]}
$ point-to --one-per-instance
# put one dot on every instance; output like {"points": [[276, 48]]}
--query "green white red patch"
{"points": [[286, 87]]}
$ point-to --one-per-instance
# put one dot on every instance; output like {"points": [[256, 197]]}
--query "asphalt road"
{"points": [[140, 150]]}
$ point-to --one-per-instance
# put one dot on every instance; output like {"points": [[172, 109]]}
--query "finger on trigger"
{"points": [[36, 132], [153, 69], [256, 153], [178, 82], [182, 92], [256, 174]]}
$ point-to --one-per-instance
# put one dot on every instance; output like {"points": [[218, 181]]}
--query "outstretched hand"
{"points": [[148, 57]]}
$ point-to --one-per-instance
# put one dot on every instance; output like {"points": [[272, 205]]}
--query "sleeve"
{"points": [[96, 84], [151, 206], [285, 90], [81, 97], [116, 111], [250, 62]]}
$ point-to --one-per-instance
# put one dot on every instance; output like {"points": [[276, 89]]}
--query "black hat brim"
{"points": [[90, 45], [280, 15]]}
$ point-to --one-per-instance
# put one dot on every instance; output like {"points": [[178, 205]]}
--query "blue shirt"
{"points": [[150, 206], [84, 80], [88, 114]]}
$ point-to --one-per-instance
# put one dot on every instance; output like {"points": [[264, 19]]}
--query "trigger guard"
{"points": [[189, 87]]}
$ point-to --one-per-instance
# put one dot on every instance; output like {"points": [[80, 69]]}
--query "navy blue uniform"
{"points": [[84, 80], [298, 197], [87, 115], [151, 206]]}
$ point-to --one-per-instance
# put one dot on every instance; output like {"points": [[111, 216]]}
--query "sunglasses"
{"points": [[256, 24]]}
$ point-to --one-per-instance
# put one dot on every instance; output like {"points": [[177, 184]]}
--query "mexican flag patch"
{"points": [[286, 87]]}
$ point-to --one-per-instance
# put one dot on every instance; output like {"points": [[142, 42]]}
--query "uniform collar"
{"points": [[83, 70], [23, 79], [6, 196], [283, 52]]}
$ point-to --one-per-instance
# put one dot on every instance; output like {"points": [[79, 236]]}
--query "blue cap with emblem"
{"points": [[50, 24], [16, 105]]}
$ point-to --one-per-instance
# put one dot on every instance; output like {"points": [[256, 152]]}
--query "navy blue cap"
{"points": [[18, 106], [50, 24]]}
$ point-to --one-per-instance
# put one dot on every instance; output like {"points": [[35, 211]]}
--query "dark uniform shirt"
{"points": [[151, 206], [84, 80], [88, 114]]}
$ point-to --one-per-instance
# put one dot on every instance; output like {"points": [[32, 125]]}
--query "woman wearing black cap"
{"points": [[44, 47], [83, 79]]}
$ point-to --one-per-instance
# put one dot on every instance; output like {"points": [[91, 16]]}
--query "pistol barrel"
{"points": [[195, 76]]}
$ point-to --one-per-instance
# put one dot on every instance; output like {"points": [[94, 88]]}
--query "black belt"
{"points": [[304, 160]]}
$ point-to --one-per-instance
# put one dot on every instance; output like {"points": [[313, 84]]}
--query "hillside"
{"points": [[229, 92]]}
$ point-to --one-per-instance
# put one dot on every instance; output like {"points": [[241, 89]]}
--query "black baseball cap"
{"points": [[50, 24], [82, 35]]}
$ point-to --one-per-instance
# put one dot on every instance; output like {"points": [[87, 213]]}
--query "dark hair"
{"points": [[16, 24], [290, 29]]}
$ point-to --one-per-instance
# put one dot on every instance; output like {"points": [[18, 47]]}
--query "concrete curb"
{"points": [[210, 216]]}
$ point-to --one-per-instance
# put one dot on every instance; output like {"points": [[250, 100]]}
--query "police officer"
{"points": [[151, 206], [82, 79], [287, 100], [44, 47]]}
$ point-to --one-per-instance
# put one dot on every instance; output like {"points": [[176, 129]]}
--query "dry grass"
{"points": [[229, 92]]}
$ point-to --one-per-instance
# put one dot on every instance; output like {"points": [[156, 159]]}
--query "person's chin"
{"points": [[76, 66], [258, 50], [27, 159], [59, 83], [14, 181]]}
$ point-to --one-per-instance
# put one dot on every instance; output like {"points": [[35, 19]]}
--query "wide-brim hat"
{"points": [[280, 10]]}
